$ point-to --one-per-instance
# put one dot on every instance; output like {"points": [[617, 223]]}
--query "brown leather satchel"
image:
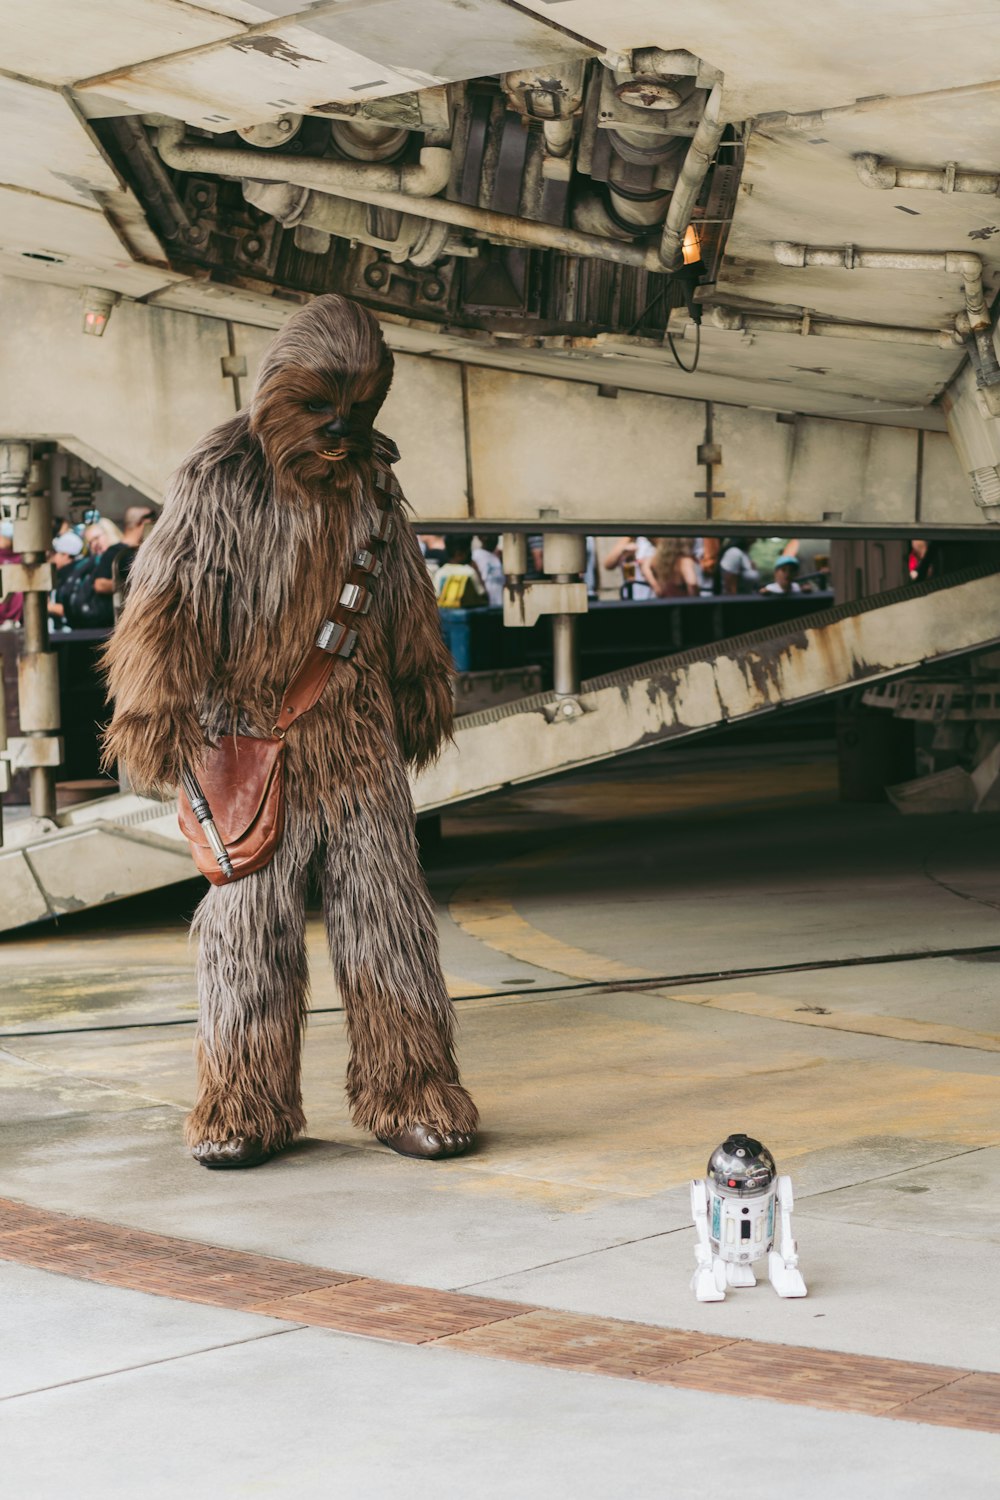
{"points": [[242, 781], [242, 777]]}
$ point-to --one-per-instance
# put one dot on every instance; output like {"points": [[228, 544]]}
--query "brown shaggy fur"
{"points": [[226, 596]]}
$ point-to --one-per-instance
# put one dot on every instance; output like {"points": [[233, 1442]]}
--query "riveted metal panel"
{"points": [[546, 446]]}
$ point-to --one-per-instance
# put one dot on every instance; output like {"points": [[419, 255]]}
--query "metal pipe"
{"points": [[701, 152], [956, 262], [734, 320], [814, 119], [356, 181], [875, 172], [165, 206], [350, 179], [506, 227]]}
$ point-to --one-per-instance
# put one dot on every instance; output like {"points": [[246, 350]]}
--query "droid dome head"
{"points": [[741, 1167]]}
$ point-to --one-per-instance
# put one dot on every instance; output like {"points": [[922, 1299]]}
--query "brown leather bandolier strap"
{"points": [[339, 634]]}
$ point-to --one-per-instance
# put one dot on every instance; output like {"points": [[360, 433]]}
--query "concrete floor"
{"points": [[874, 1084]]}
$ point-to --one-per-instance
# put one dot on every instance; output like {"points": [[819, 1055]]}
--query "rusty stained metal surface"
{"points": [[782, 55], [332, 52], [697, 690]]}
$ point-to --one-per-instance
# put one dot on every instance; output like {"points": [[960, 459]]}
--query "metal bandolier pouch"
{"points": [[280, 658]]}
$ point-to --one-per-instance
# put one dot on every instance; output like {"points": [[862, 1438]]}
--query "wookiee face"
{"points": [[320, 389]]}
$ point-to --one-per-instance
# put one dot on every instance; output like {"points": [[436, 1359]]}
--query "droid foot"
{"points": [[786, 1279], [705, 1286], [740, 1275], [428, 1144]]}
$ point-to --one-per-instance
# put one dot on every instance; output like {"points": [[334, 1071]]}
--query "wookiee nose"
{"points": [[338, 427]]}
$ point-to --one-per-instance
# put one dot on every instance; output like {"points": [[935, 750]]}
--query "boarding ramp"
{"points": [[125, 844]]}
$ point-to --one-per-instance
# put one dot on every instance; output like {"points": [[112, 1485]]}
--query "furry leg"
{"points": [[383, 943], [253, 987]]}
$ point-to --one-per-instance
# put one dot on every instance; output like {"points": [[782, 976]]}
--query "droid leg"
{"points": [[402, 1077], [740, 1274], [253, 985], [783, 1263], [705, 1283]]}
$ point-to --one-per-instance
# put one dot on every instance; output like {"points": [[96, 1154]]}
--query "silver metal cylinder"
{"points": [[564, 556], [42, 791], [515, 554], [565, 663], [563, 552], [37, 682], [368, 140]]}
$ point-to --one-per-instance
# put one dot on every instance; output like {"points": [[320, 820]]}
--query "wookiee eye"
{"points": [[317, 406]]}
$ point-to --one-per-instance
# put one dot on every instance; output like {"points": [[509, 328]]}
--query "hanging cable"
{"points": [[688, 369]]}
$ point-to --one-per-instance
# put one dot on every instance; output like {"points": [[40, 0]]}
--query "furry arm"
{"points": [[163, 655], [420, 667]]}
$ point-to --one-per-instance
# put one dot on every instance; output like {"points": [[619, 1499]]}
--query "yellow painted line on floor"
{"points": [[456, 985], [896, 1028], [483, 912], [482, 906]]}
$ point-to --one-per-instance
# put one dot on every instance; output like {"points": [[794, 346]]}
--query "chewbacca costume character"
{"points": [[256, 538]]}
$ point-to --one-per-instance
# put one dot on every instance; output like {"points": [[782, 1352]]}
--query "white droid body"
{"points": [[739, 1210]]}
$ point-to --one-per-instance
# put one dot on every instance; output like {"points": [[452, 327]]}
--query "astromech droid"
{"points": [[737, 1209]]}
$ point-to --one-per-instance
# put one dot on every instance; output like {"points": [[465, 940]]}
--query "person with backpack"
{"points": [[457, 582], [83, 608]]}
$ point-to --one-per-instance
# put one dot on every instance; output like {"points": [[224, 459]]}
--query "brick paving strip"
{"points": [[94, 1251]]}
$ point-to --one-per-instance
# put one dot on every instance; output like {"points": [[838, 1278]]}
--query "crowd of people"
{"points": [[91, 560], [679, 567], [468, 572], [90, 564]]}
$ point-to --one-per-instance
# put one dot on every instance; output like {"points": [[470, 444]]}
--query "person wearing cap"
{"points": [[65, 557], [765, 551], [785, 570]]}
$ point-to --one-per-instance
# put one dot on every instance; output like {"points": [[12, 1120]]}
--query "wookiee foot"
{"points": [[430, 1144], [241, 1151]]}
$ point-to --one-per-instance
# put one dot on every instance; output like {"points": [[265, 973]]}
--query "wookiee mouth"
{"points": [[333, 454]]}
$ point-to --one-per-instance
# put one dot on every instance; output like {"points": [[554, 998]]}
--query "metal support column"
{"points": [[38, 749], [515, 557], [561, 594], [564, 558]]}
